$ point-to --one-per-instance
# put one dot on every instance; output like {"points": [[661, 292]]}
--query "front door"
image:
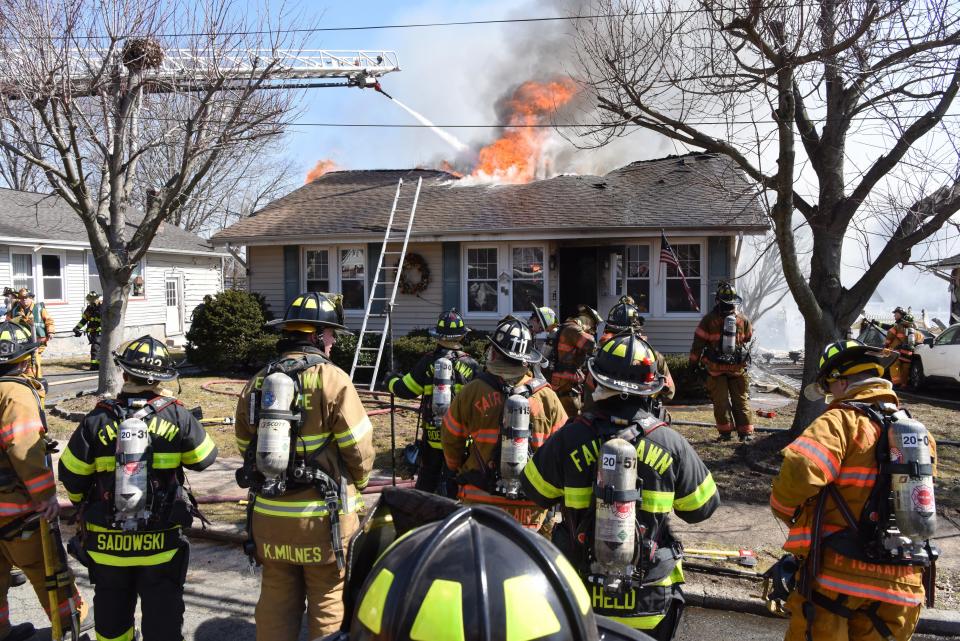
{"points": [[174, 296], [578, 279]]}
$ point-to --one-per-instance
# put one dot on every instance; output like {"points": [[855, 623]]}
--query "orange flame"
{"points": [[513, 158], [449, 168], [322, 167]]}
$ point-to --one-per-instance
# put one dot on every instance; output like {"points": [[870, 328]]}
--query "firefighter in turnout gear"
{"points": [[902, 337], [576, 340], [720, 343], [308, 451], [543, 320], [444, 577], [833, 490], [432, 475], [38, 321], [617, 472], [124, 470], [90, 325], [27, 487], [624, 316], [505, 413]]}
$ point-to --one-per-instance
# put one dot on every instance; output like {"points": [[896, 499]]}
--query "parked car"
{"points": [[937, 359]]}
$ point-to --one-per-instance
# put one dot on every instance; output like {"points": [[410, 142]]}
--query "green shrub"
{"points": [[227, 332], [688, 378]]}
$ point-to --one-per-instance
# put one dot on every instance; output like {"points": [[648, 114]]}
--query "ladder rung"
{"points": [[383, 282], [379, 298], [369, 349], [392, 253], [359, 366]]}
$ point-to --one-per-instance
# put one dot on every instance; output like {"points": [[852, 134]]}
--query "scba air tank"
{"points": [[274, 427], [616, 511], [442, 389], [913, 496], [514, 443], [728, 342], [130, 474]]}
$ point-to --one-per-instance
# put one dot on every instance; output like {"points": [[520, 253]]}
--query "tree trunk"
{"points": [[111, 337], [813, 344]]}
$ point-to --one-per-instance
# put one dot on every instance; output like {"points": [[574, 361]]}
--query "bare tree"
{"points": [[762, 282], [836, 109], [15, 172], [88, 90]]}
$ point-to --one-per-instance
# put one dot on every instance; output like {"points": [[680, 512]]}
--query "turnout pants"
{"points": [[433, 475], [900, 371], [284, 590], [731, 392], [160, 590], [26, 553], [900, 619], [94, 339]]}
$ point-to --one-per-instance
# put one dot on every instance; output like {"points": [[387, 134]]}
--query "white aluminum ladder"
{"points": [[390, 284]]}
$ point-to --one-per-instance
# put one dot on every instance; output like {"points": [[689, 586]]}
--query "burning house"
{"points": [[491, 249]]}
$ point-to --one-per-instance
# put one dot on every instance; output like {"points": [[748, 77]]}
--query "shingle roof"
{"points": [[696, 191], [25, 214]]}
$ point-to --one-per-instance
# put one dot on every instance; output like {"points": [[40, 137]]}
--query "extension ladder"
{"points": [[390, 284]]}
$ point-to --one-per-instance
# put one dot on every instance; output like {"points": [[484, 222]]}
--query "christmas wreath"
{"points": [[414, 288]]}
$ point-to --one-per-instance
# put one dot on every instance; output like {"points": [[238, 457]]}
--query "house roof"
{"points": [[696, 192], [44, 218]]}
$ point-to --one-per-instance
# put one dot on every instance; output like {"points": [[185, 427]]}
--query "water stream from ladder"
{"points": [[449, 138]]}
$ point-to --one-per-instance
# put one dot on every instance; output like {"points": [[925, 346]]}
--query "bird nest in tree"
{"points": [[142, 53]]}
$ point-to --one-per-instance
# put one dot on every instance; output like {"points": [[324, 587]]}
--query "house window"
{"points": [[353, 277], [51, 270], [688, 255], [318, 270], [638, 275], [482, 279], [138, 281], [527, 277], [93, 275], [22, 265]]}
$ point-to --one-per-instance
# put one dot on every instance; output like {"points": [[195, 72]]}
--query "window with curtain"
{"points": [[138, 281], [482, 279], [527, 265], [353, 277], [638, 275], [318, 270], [22, 271]]}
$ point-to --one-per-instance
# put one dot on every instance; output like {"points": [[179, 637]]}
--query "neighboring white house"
{"points": [[492, 250], [44, 247]]}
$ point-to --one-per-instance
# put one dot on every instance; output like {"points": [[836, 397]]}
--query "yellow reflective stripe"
{"points": [[698, 498], [166, 460], [657, 502], [243, 444], [133, 561], [301, 509], [126, 636], [577, 497], [362, 483], [435, 445], [370, 613], [639, 623], [412, 385], [440, 617], [545, 488], [198, 453], [75, 497], [105, 463], [675, 576], [529, 614], [352, 435], [428, 389], [75, 465]]}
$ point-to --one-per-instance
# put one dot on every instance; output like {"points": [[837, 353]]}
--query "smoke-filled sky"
{"points": [[460, 75]]}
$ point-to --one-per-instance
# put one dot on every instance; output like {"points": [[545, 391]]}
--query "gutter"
{"points": [[41, 243]]}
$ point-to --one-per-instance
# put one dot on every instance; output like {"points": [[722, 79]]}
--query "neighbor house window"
{"points": [[638, 275], [482, 279], [689, 258], [318, 270], [51, 271], [528, 288], [93, 275], [138, 281], [22, 265], [353, 277]]}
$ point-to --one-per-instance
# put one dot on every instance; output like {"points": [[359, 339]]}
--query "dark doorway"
{"points": [[578, 279]]}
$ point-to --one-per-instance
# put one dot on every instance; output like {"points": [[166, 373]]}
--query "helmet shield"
{"points": [[513, 339], [147, 358], [546, 316], [450, 324], [626, 364], [727, 294]]}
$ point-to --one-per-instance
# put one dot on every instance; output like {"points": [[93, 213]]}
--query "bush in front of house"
{"points": [[687, 377], [227, 332]]}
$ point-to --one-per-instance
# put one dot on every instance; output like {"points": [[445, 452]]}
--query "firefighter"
{"points": [[432, 475], [306, 484], [576, 340], [842, 592], [720, 343], [543, 320], [27, 486], [643, 589], [623, 316], [902, 337], [90, 320], [35, 317], [505, 413], [8, 297], [124, 470], [469, 573]]}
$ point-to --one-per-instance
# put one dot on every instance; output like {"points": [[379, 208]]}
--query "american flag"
{"points": [[669, 257]]}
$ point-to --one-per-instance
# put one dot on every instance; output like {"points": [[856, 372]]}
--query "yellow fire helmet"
{"points": [[16, 343]]}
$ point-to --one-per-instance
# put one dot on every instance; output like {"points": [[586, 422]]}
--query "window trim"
{"points": [[40, 285], [522, 313], [662, 278], [335, 271]]}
